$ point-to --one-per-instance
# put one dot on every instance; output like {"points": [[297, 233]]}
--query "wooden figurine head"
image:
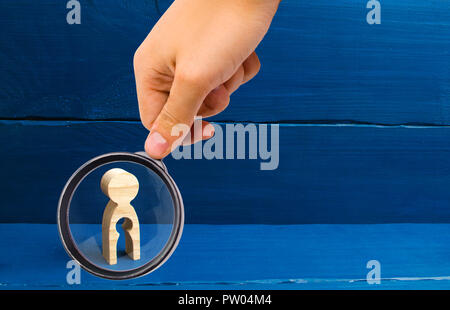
{"points": [[119, 185]]}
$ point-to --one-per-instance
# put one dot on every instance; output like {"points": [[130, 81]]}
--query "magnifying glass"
{"points": [[120, 215]]}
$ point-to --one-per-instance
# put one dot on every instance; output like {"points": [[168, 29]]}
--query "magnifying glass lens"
{"points": [[121, 216]]}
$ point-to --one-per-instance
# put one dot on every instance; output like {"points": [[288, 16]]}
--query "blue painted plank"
{"points": [[51, 68], [412, 256], [326, 174], [320, 61]]}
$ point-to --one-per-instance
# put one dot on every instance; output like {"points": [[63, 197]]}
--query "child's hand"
{"points": [[195, 57]]}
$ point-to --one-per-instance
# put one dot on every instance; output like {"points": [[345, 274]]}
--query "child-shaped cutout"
{"points": [[121, 187]]}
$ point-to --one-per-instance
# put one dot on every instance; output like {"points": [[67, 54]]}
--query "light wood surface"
{"points": [[121, 187]]}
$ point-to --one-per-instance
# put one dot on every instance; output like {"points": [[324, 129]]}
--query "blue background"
{"points": [[364, 114]]}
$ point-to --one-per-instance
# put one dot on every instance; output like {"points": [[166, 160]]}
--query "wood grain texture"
{"points": [[121, 187], [412, 256], [321, 61], [53, 69], [326, 174]]}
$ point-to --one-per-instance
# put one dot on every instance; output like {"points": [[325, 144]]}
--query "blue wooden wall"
{"points": [[364, 111]]}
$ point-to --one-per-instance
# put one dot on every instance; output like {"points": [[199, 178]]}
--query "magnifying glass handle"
{"points": [[159, 162]]}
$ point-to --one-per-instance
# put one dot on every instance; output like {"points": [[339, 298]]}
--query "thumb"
{"points": [[184, 101]]}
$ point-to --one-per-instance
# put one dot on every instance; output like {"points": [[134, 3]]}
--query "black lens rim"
{"points": [[66, 198]]}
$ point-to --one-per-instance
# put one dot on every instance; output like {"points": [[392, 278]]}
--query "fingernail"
{"points": [[156, 145], [208, 130]]}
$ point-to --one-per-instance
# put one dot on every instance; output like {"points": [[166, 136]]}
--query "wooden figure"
{"points": [[121, 187]]}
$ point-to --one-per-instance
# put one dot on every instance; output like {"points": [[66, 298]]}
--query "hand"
{"points": [[195, 57]]}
